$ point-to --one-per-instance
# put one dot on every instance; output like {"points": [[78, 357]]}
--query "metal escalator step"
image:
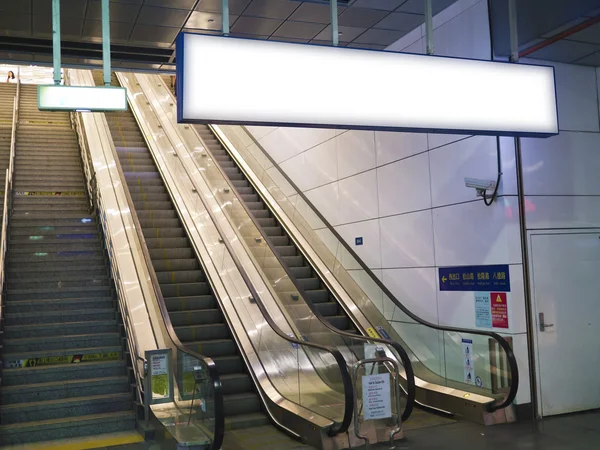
{"points": [[171, 242], [309, 284], [267, 221], [293, 261], [215, 348], [273, 231], [171, 253], [162, 265], [317, 295], [237, 404], [286, 250], [184, 289], [192, 303], [196, 317], [236, 383], [211, 331], [301, 272], [340, 322], [181, 276], [327, 308]]}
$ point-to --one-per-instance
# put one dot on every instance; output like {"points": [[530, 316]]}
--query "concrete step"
{"points": [[63, 373], [56, 390], [60, 342], [54, 293], [25, 306], [60, 329], [68, 407], [85, 425], [59, 316]]}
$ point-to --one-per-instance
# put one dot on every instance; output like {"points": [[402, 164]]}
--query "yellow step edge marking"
{"points": [[85, 443], [172, 277]]}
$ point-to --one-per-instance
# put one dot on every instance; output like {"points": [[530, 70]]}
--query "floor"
{"points": [[572, 432]]}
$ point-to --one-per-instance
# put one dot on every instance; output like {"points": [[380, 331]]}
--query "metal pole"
{"points": [[106, 41], [514, 32], [335, 35], [428, 27], [56, 40], [225, 18], [529, 322]]}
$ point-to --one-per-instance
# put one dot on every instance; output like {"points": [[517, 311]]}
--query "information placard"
{"points": [[376, 396]]}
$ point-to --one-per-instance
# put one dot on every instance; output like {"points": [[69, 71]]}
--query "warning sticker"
{"points": [[55, 360], [372, 333], [52, 193]]}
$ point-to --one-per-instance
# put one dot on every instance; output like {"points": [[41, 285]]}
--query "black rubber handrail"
{"points": [[337, 428], [219, 407], [410, 377], [514, 371]]}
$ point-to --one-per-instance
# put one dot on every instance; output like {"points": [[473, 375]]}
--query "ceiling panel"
{"points": [[68, 8], [591, 34], [379, 37], [164, 17], [249, 35], [274, 9], [418, 6], [235, 6], [200, 20], [288, 39], [176, 4], [119, 12], [347, 34], [255, 25], [565, 51], [361, 17], [149, 33], [119, 31], [69, 27], [591, 60], [23, 7], [15, 24], [385, 5], [366, 46], [400, 21], [298, 30], [312, 12]]}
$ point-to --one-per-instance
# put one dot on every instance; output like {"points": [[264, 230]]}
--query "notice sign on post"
{"points": [[376, 396], [160, 380]]}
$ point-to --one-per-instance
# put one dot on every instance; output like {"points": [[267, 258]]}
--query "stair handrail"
{"points": [[338, 427], [512, 361], [7, 206]]}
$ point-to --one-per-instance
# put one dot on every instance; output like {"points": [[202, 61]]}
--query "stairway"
{"points": [[65, 366], [193, 308], [7, 95], [315, 290]]}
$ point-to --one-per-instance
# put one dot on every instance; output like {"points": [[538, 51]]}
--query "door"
{"points": [[566, 290]]}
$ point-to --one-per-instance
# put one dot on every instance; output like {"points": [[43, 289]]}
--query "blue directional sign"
{"points": [[495, 278]]}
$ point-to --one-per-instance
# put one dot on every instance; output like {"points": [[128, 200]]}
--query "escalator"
{"points": [[314, 289], [194, 311]]}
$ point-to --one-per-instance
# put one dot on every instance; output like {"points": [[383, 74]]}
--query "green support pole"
{"points": [[56, 40], [335, 35], [106, 41], [225, 16]]}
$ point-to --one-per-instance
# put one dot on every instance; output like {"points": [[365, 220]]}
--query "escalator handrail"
{"points": [[409, 373], [337, 428], [219, 431], [501, 341]]}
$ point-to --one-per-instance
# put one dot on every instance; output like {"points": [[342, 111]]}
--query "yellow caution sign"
{"points": [[372, 333]]}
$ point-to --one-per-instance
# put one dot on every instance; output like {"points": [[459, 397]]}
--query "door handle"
{"points": [[543, 325]]}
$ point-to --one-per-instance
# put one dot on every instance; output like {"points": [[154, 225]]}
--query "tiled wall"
{"points": [[404, 194]]}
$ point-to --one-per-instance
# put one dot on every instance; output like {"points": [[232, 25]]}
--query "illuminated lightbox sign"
{"points": [[243, 81], [81, 98]]}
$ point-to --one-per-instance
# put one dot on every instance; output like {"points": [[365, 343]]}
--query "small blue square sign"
{"points": [[358, 241]]}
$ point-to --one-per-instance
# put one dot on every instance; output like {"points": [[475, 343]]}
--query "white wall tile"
{"points": [[566, 164], [437, 139], [260, 132], [458, 308], [404, 186], [465, 36], [519, 347], [474, 234], [279, 146], [314, 167], [358, 197], [355, 152], [391, 146], [576, 94], [370, 251], [415, 288], [475, 157], [562, 212], [407, 240], [326, 200]]}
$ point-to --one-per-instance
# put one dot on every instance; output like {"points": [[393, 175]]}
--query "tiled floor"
{"points": [[572, 432]]}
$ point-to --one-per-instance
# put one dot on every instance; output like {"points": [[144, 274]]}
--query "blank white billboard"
{"points": [[55, 97], [243, 81]]}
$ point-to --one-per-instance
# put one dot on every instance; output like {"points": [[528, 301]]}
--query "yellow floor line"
{"points": [[83, 443]]}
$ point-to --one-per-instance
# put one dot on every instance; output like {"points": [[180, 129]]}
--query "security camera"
{"points": [[481, 186]]}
